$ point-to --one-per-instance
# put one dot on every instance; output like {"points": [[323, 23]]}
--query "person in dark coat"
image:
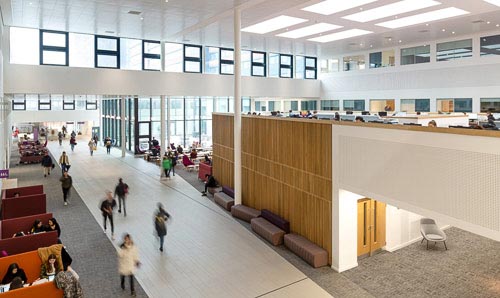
{"points": [[46, 164], [161, 218], [107, 207], [211, 182], [66, 184], [12, 272], [121, 191]]}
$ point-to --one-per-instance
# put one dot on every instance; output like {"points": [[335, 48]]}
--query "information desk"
{"points": [[441, 120]]}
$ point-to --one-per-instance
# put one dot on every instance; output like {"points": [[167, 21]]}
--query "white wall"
{"points": [[402, 228], [54, 116], [345, 226]]}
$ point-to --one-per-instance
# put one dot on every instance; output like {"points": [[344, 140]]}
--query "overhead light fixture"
{"points": [[340, 35], [424, 17], [329, 7], [273, 24], [494, 2], [309, 30], [390, 10]]}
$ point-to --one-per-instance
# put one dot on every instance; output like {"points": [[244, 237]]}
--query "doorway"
{"points": [[371, 226]]}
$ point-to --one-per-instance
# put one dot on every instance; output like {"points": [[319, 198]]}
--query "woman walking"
{"points": [[66, 184], [64, 162], [72, 142], [92, 146], [128, 261]]}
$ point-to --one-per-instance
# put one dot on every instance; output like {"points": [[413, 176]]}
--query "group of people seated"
{"points": [[64, 277], [39, 227]]}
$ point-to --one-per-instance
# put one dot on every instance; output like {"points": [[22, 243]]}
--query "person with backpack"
{"points": [[121, 190], [107, 143], [46, 164], [107, 207], [161, 218]]}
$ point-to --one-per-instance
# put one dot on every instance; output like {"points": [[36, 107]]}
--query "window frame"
{"points": [[286, 66], [258, 64], [64, 50], [90, 103], [98, 52], [40, 104], [225, 62], [23, 104], [70, 102], [191, 59], [315, 68], [149, 55]]}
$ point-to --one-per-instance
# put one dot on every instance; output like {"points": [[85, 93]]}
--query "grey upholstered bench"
{"points": [[224, 200], [213, 190], [244, 212], [310, 252], [267, 230]]}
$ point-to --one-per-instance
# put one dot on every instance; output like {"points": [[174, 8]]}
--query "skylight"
{"points": [[391, 10], [273, 24], [329, 7], [340, 35], [494, 2], [309, 30], [424, 18]]}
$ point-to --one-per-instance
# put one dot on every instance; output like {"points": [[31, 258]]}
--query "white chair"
{"points": [[431, 232]]}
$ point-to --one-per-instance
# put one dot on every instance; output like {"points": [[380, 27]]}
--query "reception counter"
{"points": [[441, 120]]}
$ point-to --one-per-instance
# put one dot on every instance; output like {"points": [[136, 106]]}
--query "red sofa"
{"points": [[203, 170], [11, 226], [18, 245], [24, 206], [30, 262], [24, 191]]}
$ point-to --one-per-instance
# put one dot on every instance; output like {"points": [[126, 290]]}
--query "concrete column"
{"points": [[169, 133], [123, 139], [237, 106], [163, 142], [101, 128]]}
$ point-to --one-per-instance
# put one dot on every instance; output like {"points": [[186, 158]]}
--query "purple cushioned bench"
{"points": [[276, 220]]}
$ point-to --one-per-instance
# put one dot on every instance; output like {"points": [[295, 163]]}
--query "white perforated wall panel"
{"points": [[449, 176]]}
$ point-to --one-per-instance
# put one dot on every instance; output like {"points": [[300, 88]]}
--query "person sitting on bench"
{"points": [[211, 182]]}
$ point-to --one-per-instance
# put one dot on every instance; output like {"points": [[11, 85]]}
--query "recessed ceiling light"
{"points": [[498, 25], [452, 32], [371, 46], [309, 30], [444, 30], [333, 6], [341, 35], [273, 24], [390, 10], [400, 41], [360, 44], [488, 22], [494, 2], [427, 25], [142, 18], [440, 14]]}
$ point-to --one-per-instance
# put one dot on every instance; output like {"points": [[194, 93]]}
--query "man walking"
{"points": [[121, 190], [64, 162], [161, 218], [66, 184], [46, 164], [107, 207], [107, 143]]}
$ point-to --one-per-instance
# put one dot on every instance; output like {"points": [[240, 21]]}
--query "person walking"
{"points": [[167, 166], [92, 147], [72, 142], [161, 218], [128, 261], [64, 162], [173, 161], [60, 137], [66, 184], [121, 190], [46, 164], [107, 143], [107, 207]]}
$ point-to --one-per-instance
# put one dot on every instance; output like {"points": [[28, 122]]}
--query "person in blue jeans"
{"points": [[161, 218]]}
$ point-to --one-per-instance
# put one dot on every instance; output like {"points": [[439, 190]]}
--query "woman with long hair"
{"points": [[12, 272], [128, 261], [49, 268]]}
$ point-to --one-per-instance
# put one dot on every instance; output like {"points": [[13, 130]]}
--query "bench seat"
{"points": [[244, 212], [213, 190], [308, 251], [224, 200], [267, 230]]}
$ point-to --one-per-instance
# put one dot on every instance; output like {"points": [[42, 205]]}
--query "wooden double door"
{"points": [[371, 226]]}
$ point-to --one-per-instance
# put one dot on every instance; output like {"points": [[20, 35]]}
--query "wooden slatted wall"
{"points": [[223, 144], [287, 168]]}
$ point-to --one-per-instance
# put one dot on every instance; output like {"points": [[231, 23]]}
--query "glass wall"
{"points": [[454, 50], [173, 57], [415, 105], [382, 59], [330, 105], [354, 63], [450, 105], [416, 55], [354, 105], [212, 60], [53, 102], [329, 65], [490, 105], [490, 45]]}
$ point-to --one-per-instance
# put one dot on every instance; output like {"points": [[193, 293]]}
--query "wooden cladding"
{"points": [[223, 152], [286, 168]]}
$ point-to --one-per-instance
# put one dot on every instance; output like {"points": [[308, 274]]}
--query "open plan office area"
{"points": [[298, 148]]}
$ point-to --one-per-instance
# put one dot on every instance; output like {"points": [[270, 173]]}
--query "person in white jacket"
{"points": [[128, 261]]}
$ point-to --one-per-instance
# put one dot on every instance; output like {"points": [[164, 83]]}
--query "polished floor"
{"points": [[207, 253]]}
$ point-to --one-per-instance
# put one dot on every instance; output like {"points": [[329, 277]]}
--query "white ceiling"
{"points": [[210, 22]]}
